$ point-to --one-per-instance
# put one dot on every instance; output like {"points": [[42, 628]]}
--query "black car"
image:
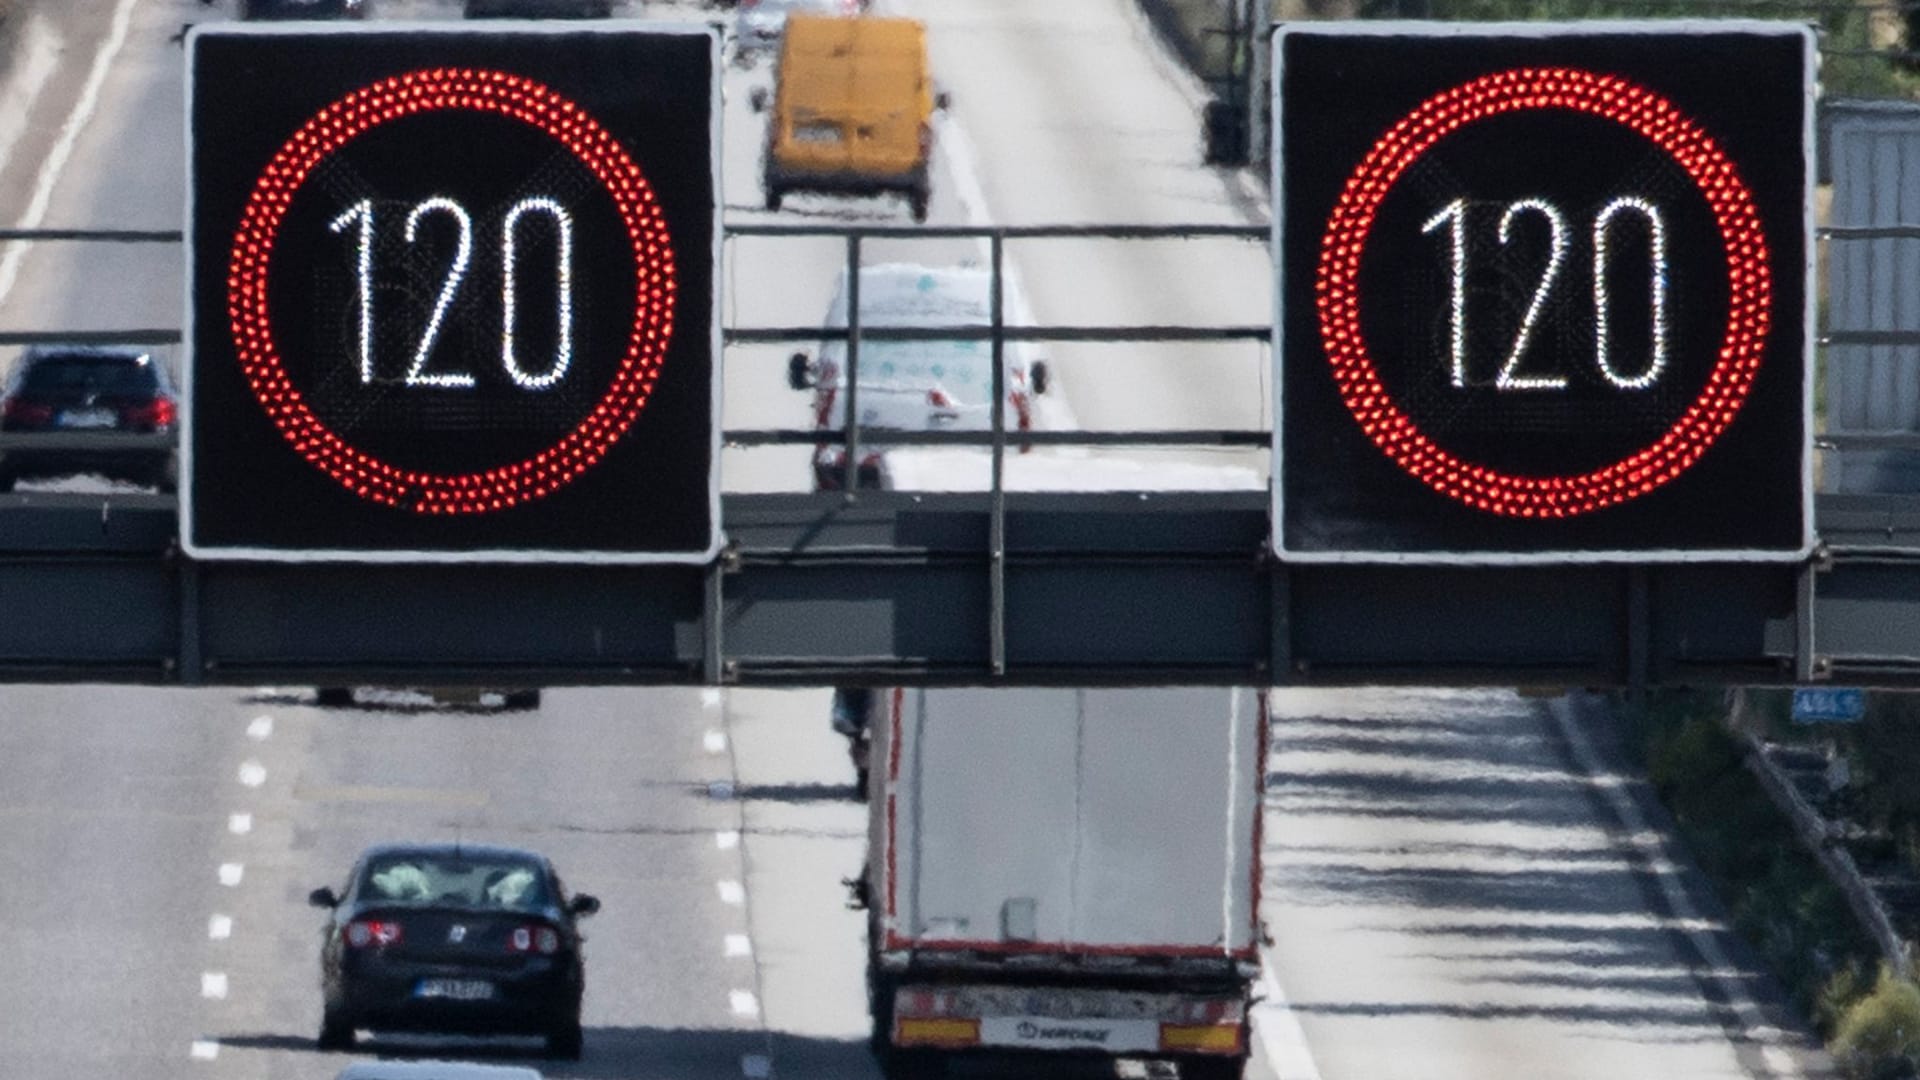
{"points": [[89, 390], [538, 9], [453, 938], [302, 9]]}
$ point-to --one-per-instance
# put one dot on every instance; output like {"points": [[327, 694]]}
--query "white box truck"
{"points": [[1064, 872]]}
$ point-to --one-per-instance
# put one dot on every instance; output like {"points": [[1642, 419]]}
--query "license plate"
{"points": [[455, 989], [86, 418]]}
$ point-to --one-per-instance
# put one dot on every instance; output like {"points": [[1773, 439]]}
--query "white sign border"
{"points": [[716, 539], [1276, 482]]}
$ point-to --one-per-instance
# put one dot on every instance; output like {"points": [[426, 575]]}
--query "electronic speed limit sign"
{"points": [[452, 293], [1543, 292]]}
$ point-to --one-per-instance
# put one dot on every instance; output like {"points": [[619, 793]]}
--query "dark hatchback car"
{"points": [[302, 9], [454, 939], [94, 391]]}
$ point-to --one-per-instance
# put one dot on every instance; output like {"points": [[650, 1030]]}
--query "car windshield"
{"points": [[463, 880], [82, 371]]}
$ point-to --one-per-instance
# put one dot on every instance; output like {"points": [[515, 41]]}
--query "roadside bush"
{"points": [[1879, 1037]]}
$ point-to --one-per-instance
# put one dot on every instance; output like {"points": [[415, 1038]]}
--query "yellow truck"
{"points": [[852, 110]]}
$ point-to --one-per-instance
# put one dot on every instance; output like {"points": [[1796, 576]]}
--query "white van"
{"points": [[916, 385]]}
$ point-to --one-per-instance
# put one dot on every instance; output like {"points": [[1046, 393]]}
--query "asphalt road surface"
{"points": [[1455, 887]]}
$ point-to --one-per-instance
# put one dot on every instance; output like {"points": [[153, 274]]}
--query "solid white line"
{"points": [[231, 873], [220, 927], [727, 840], [253, 774], [261, 728], [731, 892], [1278, 1028], [203, 1050], [213, 984], [62, 151], [716, 742], [744, 1003], [240, 824], [739, 945], [756, 1066], [1653, 854]]}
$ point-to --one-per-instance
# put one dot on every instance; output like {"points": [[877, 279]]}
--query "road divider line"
{"points": [[744, 1003], [261, 729], [213, 984], [252, 773], [709, 698], [39, 48], [739, 945], [62, 152], [203, 1050], [231, 873], [716, 742], [1650, 851], [220, 927], [727, 839], [1278, 1028], [732, 892], [240, 824]]}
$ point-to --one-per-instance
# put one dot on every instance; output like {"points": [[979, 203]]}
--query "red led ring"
{"points": [[517, 98], [1750, 292]]}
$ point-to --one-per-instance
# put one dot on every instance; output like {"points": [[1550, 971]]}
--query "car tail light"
{"points": [[160, 413], [362, 933], [544, 940], [939, 398], [26, 412]]}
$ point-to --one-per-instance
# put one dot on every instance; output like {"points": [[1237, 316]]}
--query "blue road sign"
{"points": [[1828, 705]]}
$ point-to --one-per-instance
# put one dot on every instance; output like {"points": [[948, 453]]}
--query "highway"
{"points": [[1450, 890]]}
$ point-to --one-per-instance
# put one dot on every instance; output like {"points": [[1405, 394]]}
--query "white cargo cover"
{"points": [[1115, 822]]}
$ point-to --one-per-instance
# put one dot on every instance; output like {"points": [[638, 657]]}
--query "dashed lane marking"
{"points": [[252, 773], [213, 984], [220, 927], [744, 1003], [240, 824], [203, 1050], [727, 839], [261, 729], [739, 945], [716, 742], [732, 892], [231, 873], [709, 698]]}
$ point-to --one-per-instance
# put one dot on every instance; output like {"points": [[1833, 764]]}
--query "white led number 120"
{"points": [[361, 213], [1453, 217]]}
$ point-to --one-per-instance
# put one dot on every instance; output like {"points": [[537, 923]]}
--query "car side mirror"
{"points": [[799, 371], [757, 97], [583, 904], [942, 101], [323, 898], [1041, 376]]}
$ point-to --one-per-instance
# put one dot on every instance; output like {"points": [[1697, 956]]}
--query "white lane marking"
{"points": [[220, 927], [756, 1066], [231, 873], [261, 729], [203, 1050], [56, 162], [1278, 1028], [727, 840], [213, 984], [41, 45], [744, 1003], [1653, 854], [739, 945], [253, 774], [716, 742], [709, 698], [731, 892], [240, 824]]}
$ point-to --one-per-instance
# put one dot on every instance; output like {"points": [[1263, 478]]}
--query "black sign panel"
{"points": [[452, 294], [1543, 292]]}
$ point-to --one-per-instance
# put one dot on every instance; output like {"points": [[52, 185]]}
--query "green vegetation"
{"points": [[1778, 898]]}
